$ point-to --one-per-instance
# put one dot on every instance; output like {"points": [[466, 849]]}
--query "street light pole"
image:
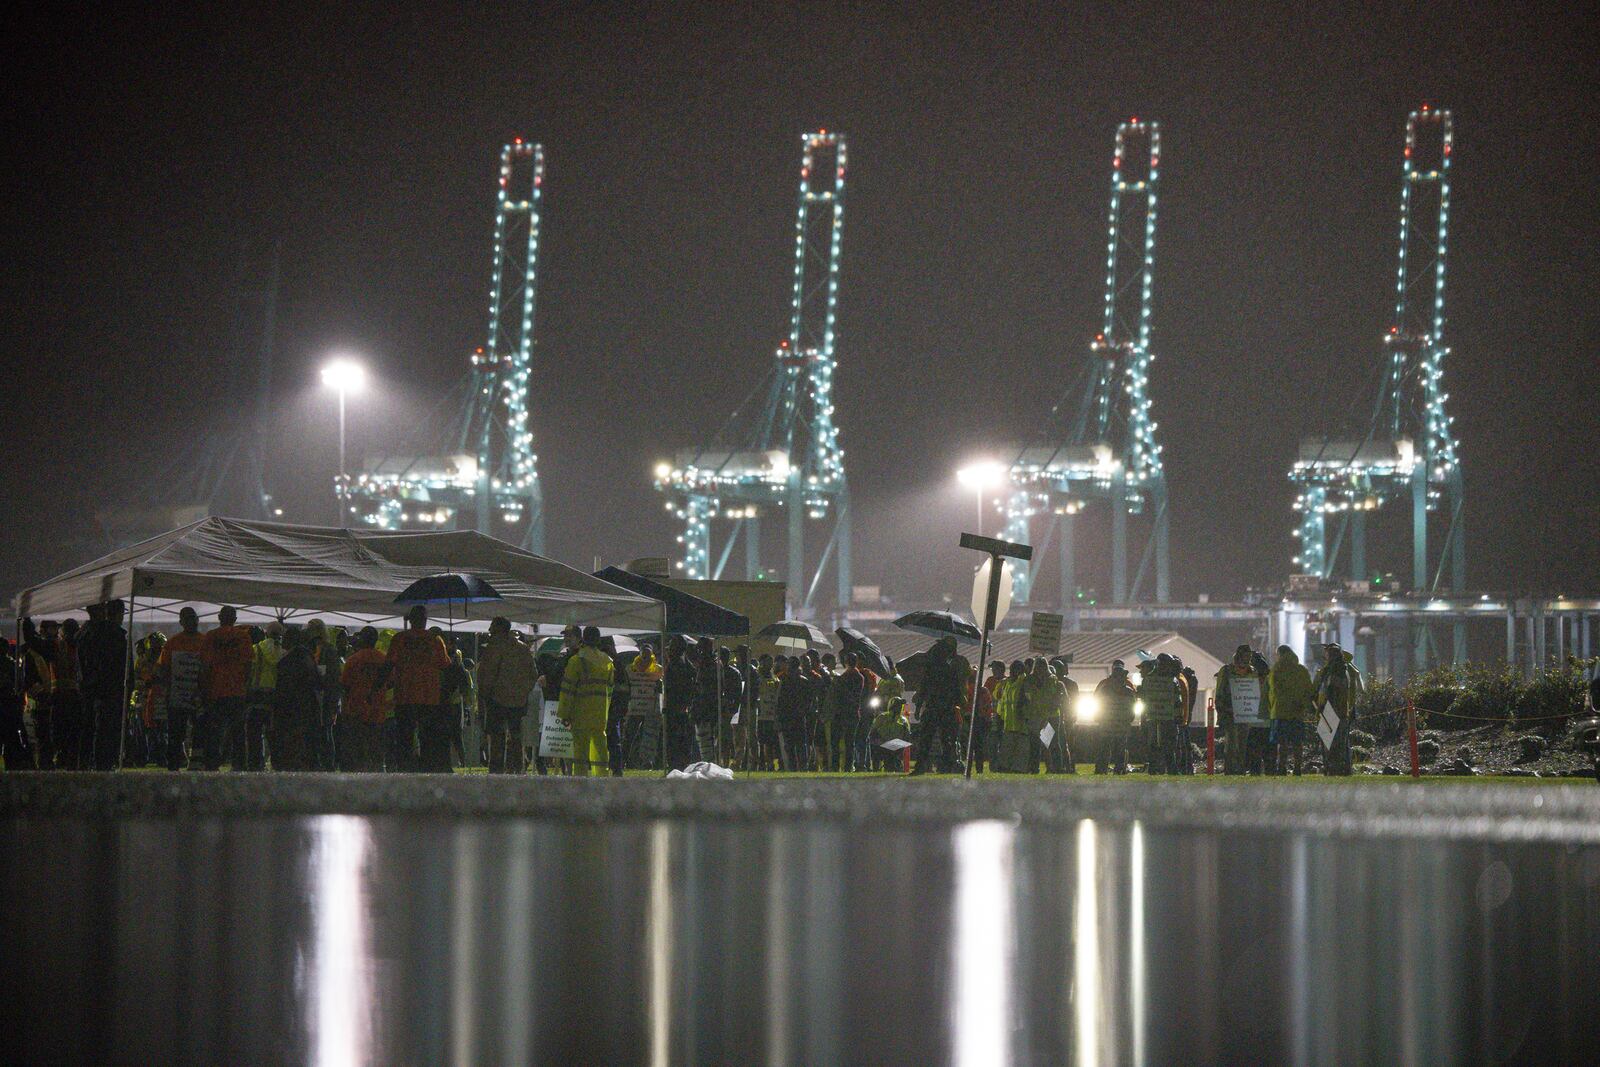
{"points": [[344, 482], [984, 474], [343, 376]]}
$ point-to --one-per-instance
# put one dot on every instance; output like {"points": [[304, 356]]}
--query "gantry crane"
{"points": [[1099, 443], [780, 449], [1407, 449], [479, 465]]}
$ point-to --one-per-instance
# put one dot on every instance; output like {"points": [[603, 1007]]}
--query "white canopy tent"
{"points": [[273, 570]]}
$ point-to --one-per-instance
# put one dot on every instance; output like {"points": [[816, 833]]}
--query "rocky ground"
{"points": [[1494, 749]]}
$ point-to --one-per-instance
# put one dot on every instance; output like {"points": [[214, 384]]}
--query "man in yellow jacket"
{"points": [[585, 701], [1289, 691]]}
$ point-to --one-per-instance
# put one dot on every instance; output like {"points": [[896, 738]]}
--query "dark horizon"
{"points": [[365, 142]]}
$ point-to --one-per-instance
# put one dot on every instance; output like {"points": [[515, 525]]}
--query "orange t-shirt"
{"points": [[229, 655], [182, 659], [417, 658], [363, 695]]}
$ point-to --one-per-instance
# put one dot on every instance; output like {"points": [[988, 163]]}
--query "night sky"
{"points": [[150, 151]]}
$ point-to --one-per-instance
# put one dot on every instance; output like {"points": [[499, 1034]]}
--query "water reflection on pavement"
{"points": [[342, 939]]}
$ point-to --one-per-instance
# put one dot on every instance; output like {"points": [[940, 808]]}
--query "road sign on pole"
{"points": [[981, 599], [990, 586]]}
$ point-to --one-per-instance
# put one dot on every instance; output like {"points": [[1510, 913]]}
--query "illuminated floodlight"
{"points": [[984, 474], [344, 375]]}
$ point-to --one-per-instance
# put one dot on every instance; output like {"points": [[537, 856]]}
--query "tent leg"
{"points": [[127, 686]]}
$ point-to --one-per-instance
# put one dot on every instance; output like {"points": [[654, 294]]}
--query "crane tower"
{"points": [[1407, 449], [1099, 443], [479, 469], [780, 450]]}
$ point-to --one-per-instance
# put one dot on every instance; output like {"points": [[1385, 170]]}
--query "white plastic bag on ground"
{"points": [[703, 770]]}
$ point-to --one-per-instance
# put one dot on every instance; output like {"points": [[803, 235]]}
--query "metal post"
{"points": [[340, 496], [1069, 574], [1511, 635], [1419, 527], [841, 535], [752, 548], [1163, 556], [127, 685], [1119, 540], [1358, 545], [1533, 642], [991, 601], [796, 576]]}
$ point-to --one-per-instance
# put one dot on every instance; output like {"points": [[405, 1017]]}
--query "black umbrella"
{"points": [[448, 589], [912, 668], [872, 657], [939, 624], [791, 633]]}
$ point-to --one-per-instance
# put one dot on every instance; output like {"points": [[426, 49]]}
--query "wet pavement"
{"points": [[211, 919]]}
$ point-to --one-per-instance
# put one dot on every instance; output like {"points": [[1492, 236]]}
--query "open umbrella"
{"points": [[791, 633], [872, 656], [448, 589], [939, 624], [912, 668]]}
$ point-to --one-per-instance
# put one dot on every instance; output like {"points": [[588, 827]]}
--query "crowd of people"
{"points": [[320, 698]]}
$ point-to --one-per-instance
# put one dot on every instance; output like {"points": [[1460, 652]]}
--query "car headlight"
{"points": [[1087, 707], [1138, 710]]}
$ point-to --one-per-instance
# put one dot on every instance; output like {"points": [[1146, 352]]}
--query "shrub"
{"points": [[1381, 710], [1555, 696], [1489, 693]]}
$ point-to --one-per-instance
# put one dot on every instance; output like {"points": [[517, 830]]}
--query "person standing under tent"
{"points": [[263, 681], [417, 661], [67, 697], [325, 654], [365, 708], [182, 670], [38, 676], [507, 674], [641, 728], [730, 700], [103, 675], [296, 705], [617, 710], [14, 746], [229, 655], [678, 693], [585, 703]]}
